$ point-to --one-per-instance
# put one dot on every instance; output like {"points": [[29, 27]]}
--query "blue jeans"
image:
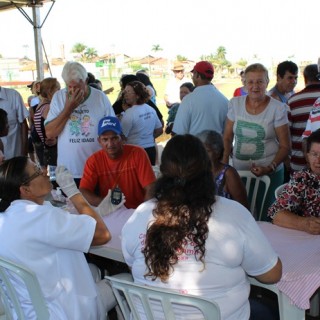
{"points": [[262, 311]]}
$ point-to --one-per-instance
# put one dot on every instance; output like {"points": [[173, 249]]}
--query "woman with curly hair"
{"points": [[140, 124], [189, 240]]}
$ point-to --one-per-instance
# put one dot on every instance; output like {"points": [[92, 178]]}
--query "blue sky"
{"points": [[273, 29]]}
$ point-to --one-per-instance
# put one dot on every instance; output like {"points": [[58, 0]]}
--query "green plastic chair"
{"points": [[9, 295], [127, 294], [254, 185]]}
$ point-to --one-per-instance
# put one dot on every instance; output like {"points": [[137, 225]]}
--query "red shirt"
{"points": [[131, 172]]}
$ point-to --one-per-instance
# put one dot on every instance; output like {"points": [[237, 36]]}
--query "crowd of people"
{"points": [[191, 222]]}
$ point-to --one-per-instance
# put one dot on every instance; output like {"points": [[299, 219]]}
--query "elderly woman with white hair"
{"points": [[74, 115], [256, 132]]}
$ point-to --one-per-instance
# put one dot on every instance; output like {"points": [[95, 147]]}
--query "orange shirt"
{"points": [[132, 172]]}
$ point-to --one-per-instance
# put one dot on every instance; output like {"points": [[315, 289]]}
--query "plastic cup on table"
{"points": [[51, 172]]}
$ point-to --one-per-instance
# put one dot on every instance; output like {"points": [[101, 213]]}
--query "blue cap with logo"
{"points": [[109, 124]]}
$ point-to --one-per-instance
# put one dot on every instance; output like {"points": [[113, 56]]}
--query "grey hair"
{"points": [[212, 139], [257, 67], [74, 71]]}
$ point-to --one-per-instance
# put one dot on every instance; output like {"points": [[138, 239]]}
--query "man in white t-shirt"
{"points": [[16, 142], [74, 115], [172, 92]]}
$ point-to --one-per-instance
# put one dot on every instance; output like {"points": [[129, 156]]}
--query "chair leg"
{"points": [[314, 305], [119, 313]]}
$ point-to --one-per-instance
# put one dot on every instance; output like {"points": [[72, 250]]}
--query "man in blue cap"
{"points": [[117, 168]]}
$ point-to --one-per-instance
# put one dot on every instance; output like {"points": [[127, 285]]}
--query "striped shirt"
{"points": [[39, 121], [300, 105], [313, 121]]}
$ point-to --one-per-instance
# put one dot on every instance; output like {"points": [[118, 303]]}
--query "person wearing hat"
{"points": [[122, 168], [205, 108], [34, 100], [172, 92]]}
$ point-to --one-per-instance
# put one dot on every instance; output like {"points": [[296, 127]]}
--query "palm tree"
{"points": [[156, 48], [79, 48], [181, 58], [220, 60], [221, 53], [242, 62], [90, 54]]}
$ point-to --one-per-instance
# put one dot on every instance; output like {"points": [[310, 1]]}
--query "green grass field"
{"points": [[226, 86]]}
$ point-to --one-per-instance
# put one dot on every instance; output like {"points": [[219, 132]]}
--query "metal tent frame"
{"points": [[35, 22]]}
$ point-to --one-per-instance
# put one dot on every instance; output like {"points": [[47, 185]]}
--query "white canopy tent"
{"points": [[36, 23]]}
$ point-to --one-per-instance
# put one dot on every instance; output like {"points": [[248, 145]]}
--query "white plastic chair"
{"points": [[287, 311], [252, 184], [9, 295], [279, 190], [156, 170], [131, 291]]}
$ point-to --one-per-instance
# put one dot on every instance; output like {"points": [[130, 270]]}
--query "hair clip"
{"points": [[179, 181]]}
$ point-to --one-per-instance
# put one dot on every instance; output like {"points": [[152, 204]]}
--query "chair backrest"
{"points": [[168, 299], [10, 296], [156, 170], [254, 185], [279, 190]]}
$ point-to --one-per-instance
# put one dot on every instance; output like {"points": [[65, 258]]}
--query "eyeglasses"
{"points": [[314, 155], [38, 172], [258, 83], [128, 92], [178, 71]]}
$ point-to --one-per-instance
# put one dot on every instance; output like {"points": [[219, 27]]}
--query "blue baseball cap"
{"points": [[109, 124]]}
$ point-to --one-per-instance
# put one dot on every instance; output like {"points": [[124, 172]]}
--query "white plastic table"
{"points": [[298, 251], [300, 256], [115, 221]]}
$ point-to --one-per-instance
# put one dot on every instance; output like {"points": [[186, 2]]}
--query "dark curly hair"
{"points": [[185, 194], [12, 174], [140, 90]]}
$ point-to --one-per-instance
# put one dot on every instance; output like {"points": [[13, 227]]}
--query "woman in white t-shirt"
{"points": [[194, 242], [256, 132], [50, 241], [140, 123], [145, 79]]}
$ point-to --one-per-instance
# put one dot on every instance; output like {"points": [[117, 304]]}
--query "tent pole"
{"points": [[38, 41]]}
